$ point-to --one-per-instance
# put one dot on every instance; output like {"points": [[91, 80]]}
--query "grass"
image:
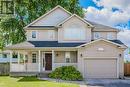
{"points": [[6, 81]]}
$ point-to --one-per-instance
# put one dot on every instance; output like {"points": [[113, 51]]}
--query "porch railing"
{"points": [[28, 67], [64, 64]]}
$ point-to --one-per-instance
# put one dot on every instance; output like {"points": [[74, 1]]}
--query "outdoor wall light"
{"points": [[120, 55], [81, 55], [57, 54]]}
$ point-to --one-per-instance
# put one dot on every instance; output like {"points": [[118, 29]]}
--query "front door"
{"points": [[48, 61]]}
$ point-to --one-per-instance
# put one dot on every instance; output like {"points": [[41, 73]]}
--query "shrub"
{"points": [[66, 73]]}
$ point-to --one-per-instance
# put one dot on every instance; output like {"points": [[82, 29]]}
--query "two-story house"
{"points": [[60, 38]]}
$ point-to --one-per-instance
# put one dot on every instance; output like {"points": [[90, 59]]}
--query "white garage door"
{"points": [[100, 68]]}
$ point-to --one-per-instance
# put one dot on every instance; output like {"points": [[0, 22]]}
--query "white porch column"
{"points": [[53, 58], [39, 56], [24, 61], [11, 56], [18, 57]]}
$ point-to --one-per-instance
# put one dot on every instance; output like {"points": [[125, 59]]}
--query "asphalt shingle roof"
{"points": [[117, 41], [56, 44], [101, 27], [53, 44]]}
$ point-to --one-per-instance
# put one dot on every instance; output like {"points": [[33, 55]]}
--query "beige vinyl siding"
{"points": [[74, 22], [42, 35], [61, 57], [53, 18]]}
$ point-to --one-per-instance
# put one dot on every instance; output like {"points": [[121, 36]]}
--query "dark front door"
{"points": [[48, 61]]}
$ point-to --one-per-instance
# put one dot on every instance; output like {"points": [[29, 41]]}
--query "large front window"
{"points": [[74, 34]]}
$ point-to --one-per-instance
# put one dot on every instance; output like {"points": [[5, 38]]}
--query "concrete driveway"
{"points": [[107, 83]]}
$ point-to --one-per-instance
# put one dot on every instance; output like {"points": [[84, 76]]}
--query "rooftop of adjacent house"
{"points": [[100, 27]]}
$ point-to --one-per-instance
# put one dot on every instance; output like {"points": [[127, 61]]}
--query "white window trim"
{"points": [[32, 34], [98, 35], [69, 60], [36, 56], [67, 57], [51, 34]]}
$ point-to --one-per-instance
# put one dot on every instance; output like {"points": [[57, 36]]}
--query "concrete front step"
{"points": [[43, 75]]}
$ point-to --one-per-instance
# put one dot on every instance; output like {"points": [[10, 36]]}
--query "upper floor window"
{"points": [[33, 34], [97, 35], [109, 36], [7, 7], [51, 34], [74, 34]]}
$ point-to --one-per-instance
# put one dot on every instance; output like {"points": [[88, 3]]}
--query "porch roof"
{"points": [[50, 44], [53, 44]]}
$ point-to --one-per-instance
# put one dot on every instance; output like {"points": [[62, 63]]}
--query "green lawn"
{"points": [[6, 81]]}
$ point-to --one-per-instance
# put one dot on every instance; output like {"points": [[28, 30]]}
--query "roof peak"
{"points": [[58, 6]]}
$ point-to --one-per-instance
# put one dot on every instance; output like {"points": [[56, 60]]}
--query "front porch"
{"points": [[39, 61]]}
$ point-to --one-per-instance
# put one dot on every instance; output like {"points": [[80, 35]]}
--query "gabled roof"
{"points": [[74, 15], [101, 27], [58, 6], [115, 42]]}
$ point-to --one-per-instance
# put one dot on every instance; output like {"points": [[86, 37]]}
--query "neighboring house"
{"points": [[60, 38], [6, 9], [5, 57]]}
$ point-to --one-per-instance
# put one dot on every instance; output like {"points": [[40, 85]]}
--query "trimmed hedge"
{"points": [[66, 73]]}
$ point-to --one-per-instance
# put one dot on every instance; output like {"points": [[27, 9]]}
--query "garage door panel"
{"points": [[99, 68]]}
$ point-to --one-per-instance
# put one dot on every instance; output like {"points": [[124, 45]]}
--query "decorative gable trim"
{"points": [[47, 14], [74, 15], [120, 46]]}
